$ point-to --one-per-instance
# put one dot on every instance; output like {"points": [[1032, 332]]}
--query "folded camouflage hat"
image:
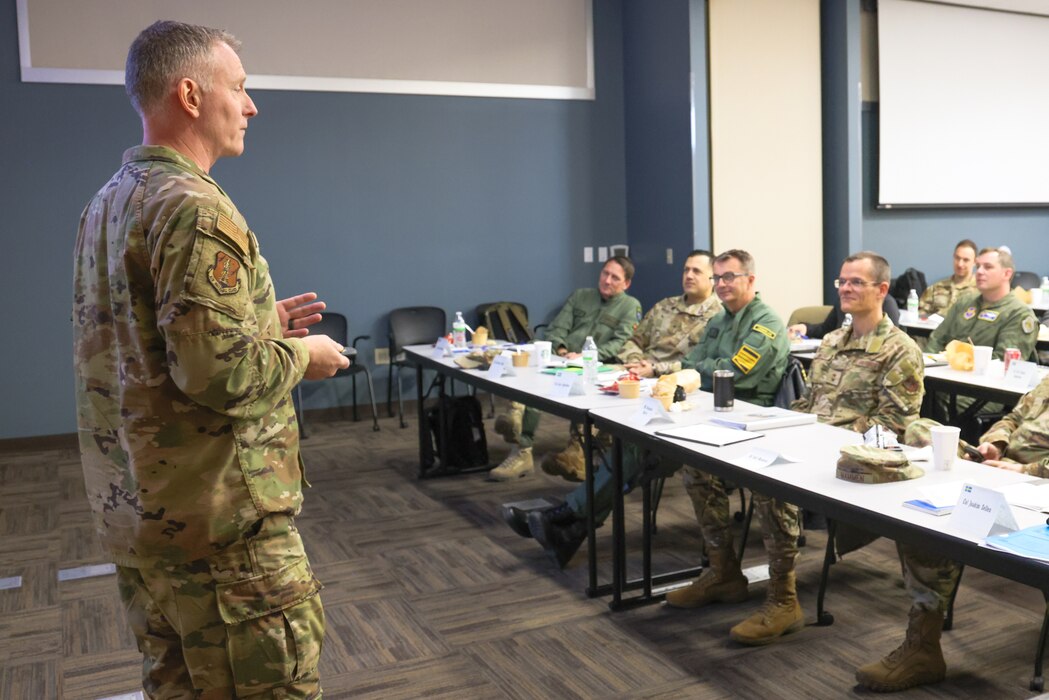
{"points": [[864, 464]]}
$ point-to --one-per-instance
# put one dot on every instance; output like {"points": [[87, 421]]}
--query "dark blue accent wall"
{"points": [[373, 201]]}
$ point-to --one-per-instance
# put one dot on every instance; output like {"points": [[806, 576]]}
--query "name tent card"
{"points": [[441, 348], [651, 410], [567, 384], [1021, 375], [502, 366], [979, 509], [759, 459]]}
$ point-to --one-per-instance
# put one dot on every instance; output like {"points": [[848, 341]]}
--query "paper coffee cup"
{"points": [[944, 446], [543, 350], [520, 359], [629, 388], [981, 358]]}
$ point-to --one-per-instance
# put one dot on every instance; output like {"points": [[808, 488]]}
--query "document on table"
{"points": [[1032, 542], [708, 435], [1032, 495]]}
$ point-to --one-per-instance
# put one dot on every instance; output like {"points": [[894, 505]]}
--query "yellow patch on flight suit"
{"points": [[767, 332], [1028, 324], [746, 358], [989, 316]]}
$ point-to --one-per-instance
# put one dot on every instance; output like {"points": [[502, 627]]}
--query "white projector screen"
{"points": [[963, 107]]}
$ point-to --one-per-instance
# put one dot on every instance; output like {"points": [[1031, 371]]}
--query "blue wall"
{"points": [[374, 201]]}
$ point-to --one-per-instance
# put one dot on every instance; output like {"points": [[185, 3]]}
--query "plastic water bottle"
{"points": [[459, 330], [590, 361], [847, 321], [1045, 289], [912, 305]]}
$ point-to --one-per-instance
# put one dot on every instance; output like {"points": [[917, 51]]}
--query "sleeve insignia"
{"points": [[233, 232], [223, 275], [746, 358], [767, 332], [989, 316], [969, 313], [1028, 324]]}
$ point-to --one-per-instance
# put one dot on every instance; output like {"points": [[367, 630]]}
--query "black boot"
{"points": [[517, 519], [558, 531]]}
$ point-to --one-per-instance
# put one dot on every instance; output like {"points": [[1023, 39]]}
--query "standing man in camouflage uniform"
{"points": [[608, 314], [664, 337], [184, 366], [991, 315], [939, 297]]}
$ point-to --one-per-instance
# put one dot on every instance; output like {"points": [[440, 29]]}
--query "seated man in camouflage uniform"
{"points": [[608, 314], [661, 341], [864, 374], [940, 296], [184, 363]]}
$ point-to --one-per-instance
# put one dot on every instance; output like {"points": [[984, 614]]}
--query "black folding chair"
{"points": [[410, 325]]}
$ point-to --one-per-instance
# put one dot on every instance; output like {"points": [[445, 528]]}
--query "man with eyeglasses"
{"points": [[941, 295], [991, 315]]}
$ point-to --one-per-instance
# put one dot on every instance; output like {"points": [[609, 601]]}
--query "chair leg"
{"points": [[389, 390], [353, 385], [371, 399], [296, 399], [746, 527], [948, 620], [400, 400], [657, 496]]}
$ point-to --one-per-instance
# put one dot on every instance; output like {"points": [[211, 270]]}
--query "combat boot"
{"points": [[516, 466], [721, 582], [919, 660], [569, 464], [558, 531], [509, 424], [780, 614]]}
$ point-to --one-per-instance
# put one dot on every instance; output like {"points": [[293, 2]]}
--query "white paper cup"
{"points": [[1037, 297], [944, 446], [981, 358], [543, 350]]}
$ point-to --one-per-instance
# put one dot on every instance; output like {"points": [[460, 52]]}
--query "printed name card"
{"points": [[502, 366], [759, 459], [1021, 375], [651, 410], [979, 509], [441, 348], [567, 384]]}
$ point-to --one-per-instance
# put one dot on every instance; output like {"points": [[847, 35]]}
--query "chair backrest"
{"points": [[810, 315], [792, 386], [412, 325], [1027, 280], [333, 325], [902, 285], [505, 320]]}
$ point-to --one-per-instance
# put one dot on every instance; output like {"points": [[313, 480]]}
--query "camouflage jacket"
{"points": [[669, 331], [609, 321], [185, 421], [1006, 323], [874, 379], [752, 343], [1023, 435], [938, 297]]}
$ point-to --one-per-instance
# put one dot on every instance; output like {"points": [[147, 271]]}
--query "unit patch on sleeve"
{"points": [[223, 275], [746, 358], [1028, 324]]}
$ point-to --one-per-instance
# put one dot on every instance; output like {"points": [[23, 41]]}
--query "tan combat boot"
{"points": [[919, 660], [570, 463], [721, 582], [509, 424], [780, 614], [516, 466]]}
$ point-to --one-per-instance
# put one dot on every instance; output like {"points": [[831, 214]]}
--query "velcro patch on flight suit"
{"points": [[223, 274], [219, 271], [989, 316], [767, 332], [225, 225], [1028, 324], [969, 313], [746, 358]]}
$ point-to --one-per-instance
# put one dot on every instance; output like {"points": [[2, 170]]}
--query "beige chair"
{"points": [[810, 315]]}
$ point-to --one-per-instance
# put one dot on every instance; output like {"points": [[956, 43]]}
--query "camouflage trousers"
{"points": [[529, 424], [246, 622], [780, 521]]}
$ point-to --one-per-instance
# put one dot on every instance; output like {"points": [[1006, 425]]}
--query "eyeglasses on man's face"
{"points": [[728, 277], [854, 282]]}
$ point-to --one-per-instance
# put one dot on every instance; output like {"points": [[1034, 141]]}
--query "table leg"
{"points": [[1038, 682], [421, 416], [822, 616], [618, 526], [591, 524]]}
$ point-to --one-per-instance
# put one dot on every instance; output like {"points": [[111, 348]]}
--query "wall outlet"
{"points": [[588, 254], [382, 356], [670, 256], [602, 253]]}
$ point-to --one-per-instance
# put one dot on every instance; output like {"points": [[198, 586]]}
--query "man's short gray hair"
{"points": [[165, 52], [746, 260]]}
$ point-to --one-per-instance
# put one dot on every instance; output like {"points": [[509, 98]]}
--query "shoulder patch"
{"points": [[233, 232], [746, 358], [224, 274], [767, 332], [969, 313], [991, 316], [1028, 324]]}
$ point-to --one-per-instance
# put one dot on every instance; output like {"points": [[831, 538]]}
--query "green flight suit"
{"points": [[1006, 323]]}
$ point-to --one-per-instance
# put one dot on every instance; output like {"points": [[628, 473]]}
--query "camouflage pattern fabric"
{"points": [[939, 296], [668, 332], [187, 432], [752, 343], [246, 622], [1006, 323], [1022, 436], [585, 313], [875, 379]]}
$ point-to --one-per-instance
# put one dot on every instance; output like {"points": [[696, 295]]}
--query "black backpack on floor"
{"points": [[467, 446]]}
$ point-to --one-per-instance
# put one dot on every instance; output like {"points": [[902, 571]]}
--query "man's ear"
{"points": [[189, 96]]}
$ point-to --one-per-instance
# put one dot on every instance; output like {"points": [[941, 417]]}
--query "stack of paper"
{"points": [[1032, 495], [764, 419], [1032, 542]]}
